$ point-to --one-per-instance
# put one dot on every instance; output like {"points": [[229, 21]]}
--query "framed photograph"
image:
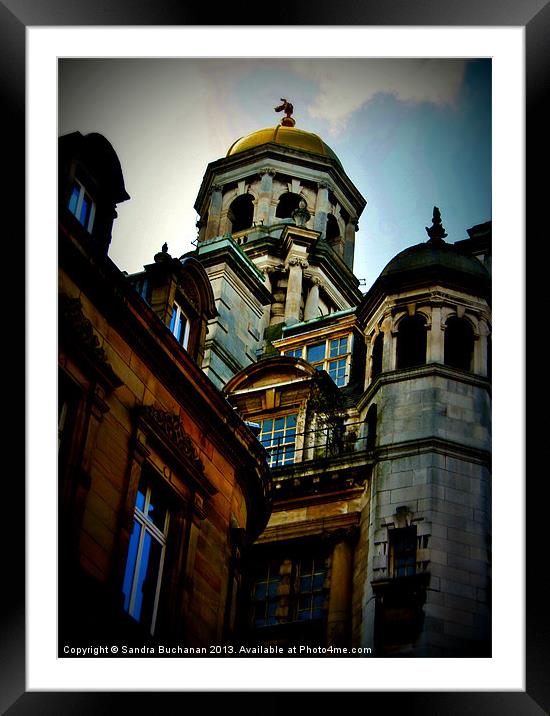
{"points": [[73, 61]]}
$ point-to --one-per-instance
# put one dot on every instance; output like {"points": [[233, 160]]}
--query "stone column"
{"points": [[481, 350], [435, 350], [388, 356], [339, 606], [349, 247], [321, 209], [311, 309], [294, 290], [214, 212], [265, 196]]}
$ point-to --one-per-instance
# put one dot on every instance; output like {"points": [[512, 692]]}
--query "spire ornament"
{"points": [[436, 232], [288, 108]]}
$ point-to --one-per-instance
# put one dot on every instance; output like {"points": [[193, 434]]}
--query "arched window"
{"points": [[411, 341], [241, 213], [377, 352], [459, 343], [333, 230], [371, 426], [288, 203]]}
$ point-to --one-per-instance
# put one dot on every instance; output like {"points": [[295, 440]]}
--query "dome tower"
{"points": [[278, 216]]}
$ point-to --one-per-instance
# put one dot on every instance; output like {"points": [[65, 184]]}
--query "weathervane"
{"points": [[288, 108]]}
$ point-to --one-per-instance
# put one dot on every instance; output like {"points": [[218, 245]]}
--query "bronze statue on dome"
{"points": [[288, 108]]}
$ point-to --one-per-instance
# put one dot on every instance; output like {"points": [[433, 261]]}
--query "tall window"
{"points": [[82, 206], [332, 355], [288, 203], [403, 551], [179, 325], [289, 590], [143, 575], [265, 590], [241, 213], [411, 341], [333, 230], [278, 436], [377, 354], [459, 343]]}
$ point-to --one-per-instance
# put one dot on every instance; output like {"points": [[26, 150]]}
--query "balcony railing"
{"points": [[326, 443]]}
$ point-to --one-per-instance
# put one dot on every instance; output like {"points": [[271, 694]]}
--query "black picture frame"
{"points": [[534, 16]]}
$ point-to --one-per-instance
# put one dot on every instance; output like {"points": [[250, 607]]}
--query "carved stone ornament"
{"points": [[170, 426], [80, 332], [268, 170]]}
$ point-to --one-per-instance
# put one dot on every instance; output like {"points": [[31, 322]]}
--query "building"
{"points": [[352, 503], [161, 482]]}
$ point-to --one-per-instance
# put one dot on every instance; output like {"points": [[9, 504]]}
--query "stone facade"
{"points": [[140, 424]]}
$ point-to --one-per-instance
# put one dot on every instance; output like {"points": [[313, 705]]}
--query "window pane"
{"points": [[174, 318], [84, 210], [156, 511], [147, 579], [182, 330], [140, 497], [296, 353], [73, 201], [131, 565], [316, 353], [338, 347]]}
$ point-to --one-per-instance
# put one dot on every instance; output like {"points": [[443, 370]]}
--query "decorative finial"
{"points": [[436, 232], [288, 108]]}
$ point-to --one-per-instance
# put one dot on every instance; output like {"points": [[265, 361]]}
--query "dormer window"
{"points": [[180, 325], [332, 355], [82, 206]]}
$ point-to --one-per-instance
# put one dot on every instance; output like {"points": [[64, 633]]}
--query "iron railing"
{"points": [[325, 443]]}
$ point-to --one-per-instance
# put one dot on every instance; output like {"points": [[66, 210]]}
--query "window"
{"points": [[297, 353], [278, 436], [377, 354], [265, 588], [289, 590], [310, 582], [179, 325], [241, 213], [459, 343], [142, 578], [333, 230], [288, 203], [411, 341], [403, 551], [332, 355], [82, 206]]}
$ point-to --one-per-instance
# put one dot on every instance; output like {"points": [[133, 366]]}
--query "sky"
{"points": [[410, 133]]}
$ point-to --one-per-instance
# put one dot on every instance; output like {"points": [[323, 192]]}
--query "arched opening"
{"points": [[459, 343], [411, 341], [241, 213], [371, 426], [288, 203], [333, 230], [377, 353]]}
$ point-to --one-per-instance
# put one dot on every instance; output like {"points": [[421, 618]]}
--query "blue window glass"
{"points": [[315, 353], [73, 201], [146, 547]]}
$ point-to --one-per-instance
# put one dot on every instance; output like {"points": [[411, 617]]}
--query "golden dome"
{"points": [[286, 137]]}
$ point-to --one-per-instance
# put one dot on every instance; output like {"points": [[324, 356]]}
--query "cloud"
{"points": [[347, 85]]}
